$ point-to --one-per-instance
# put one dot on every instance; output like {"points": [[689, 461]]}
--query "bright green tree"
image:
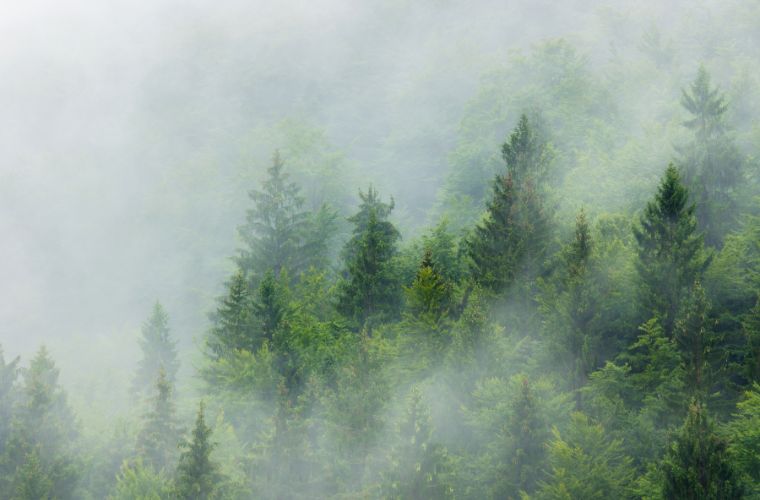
{"points": [[140, 481], [197, 476]]}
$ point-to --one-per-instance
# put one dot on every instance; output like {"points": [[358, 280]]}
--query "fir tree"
{"points": [[697, 465], [158, 351], [197, 475], [527, 450], [158, 438], [233, 322], [430, 293], [671, 253], [751, 329], [419, 467], [275, 226], [370, 289], [32, 482], [694, 338], [712, 163]]}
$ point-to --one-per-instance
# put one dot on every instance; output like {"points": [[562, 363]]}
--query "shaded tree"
{"points": [[159, 351]]}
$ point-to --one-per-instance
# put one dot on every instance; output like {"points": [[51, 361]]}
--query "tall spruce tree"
{"points": [[159, 351], [671, 251], [197, 475], [527, 449], [157, 441], [697, 464], [511, 240], [233, 321], [712, 164], [371, 288]]}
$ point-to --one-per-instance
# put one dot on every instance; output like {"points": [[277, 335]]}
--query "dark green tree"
{"points": [[527, 449], [713, 166], [671, 251], [157, 441], [697, 464], [370, 289], [751, 329], [159, 351], [419, 466], [694, 338], [233, 322], [197, 475]]}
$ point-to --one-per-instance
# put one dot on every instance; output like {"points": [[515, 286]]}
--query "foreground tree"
{"points": [[197, 475], [697, 464], [671, 251]]}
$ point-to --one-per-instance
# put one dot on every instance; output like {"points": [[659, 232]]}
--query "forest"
{"points": [[402, 250]]}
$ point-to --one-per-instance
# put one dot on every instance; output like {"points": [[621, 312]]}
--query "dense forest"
{"points": [[538, 280]]}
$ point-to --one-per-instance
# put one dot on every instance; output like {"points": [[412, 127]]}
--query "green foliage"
{"points": [[157, 441], [697, 464], [136, 481], [159, 352], [743, 433], [671, 254], [197, 476]]}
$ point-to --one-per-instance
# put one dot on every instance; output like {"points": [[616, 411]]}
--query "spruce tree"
{"points": [[697, 464], [8, 397], [430, 294], [197, 475], [233, 321], [275, 227], [370, 289], [32, 481], [527, 430], [158, 351], [751, 355], [694, 337], [157, 441], [419, 467], [712, 163], [671, 251]]}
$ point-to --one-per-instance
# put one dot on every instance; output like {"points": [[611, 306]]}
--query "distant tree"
{"points": [[33, 482], [751, 329], [697, 464], [158, 351], [157, 441], [370, 289], [527, 153], [8, 396], [527, 449], [671, 252], [419, 466], [138, 481], [197, 476], [712, 163]]}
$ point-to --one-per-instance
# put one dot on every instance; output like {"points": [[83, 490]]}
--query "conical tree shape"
{"points": [[157, 441], [233, 320], [430, 293], [751, 328], [526, 427], [159, 351], [697, 465], [671, 252], [197, 475], [694, 338]]}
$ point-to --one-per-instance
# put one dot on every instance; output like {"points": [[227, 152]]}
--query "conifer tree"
{"points": [[694, 338], [233, 322], [712, 163], [671, 253], [512, 238], [527, 450], [275, 226], [32, 482], [430, 293], [157, 441], [197, 476], [158, 351], [371, 289], [751, 329], [697, 464], [419, 467], [8, 396]]}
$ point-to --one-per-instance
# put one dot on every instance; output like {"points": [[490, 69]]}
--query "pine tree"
{"points": [[430, 293], [158, 438], [197, 475], [371, 289], [511, 240], [671, 253], [694, 338], [712, 163], [275, 227], [418, 466], [158, 351], [697, 465], [32, 482], [527, 450]]}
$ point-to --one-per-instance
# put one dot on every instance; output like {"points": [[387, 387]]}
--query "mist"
{"points": [[139, 144]]}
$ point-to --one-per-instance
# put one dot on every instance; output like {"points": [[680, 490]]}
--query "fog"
{"points": [[132, 131]]}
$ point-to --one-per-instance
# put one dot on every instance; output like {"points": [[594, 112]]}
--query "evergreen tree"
{"points": [[158, 351], [751, 329], [419, 467], [197, 476], [512, 238], [32, 481], [430, 293], [137, 481], [527, 450], [697, 464], [712, 163], [275, 226], [158, 438], [233, 323], [370, 289], [8, 396], [743, 432], [671, 253], [694, 338]]}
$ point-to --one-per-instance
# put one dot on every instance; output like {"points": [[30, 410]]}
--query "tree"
{"points": [[197, 475], [8, 396], [233, 323], [694, 338], [512, 237], [712, 163], [32, 482], [751, 329], [158, 438], [743, 432], [370, 289], [697, 464], [418, 465], [159, 351], [671, 252], [430, 293], [527, 450], [138, 481]]}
